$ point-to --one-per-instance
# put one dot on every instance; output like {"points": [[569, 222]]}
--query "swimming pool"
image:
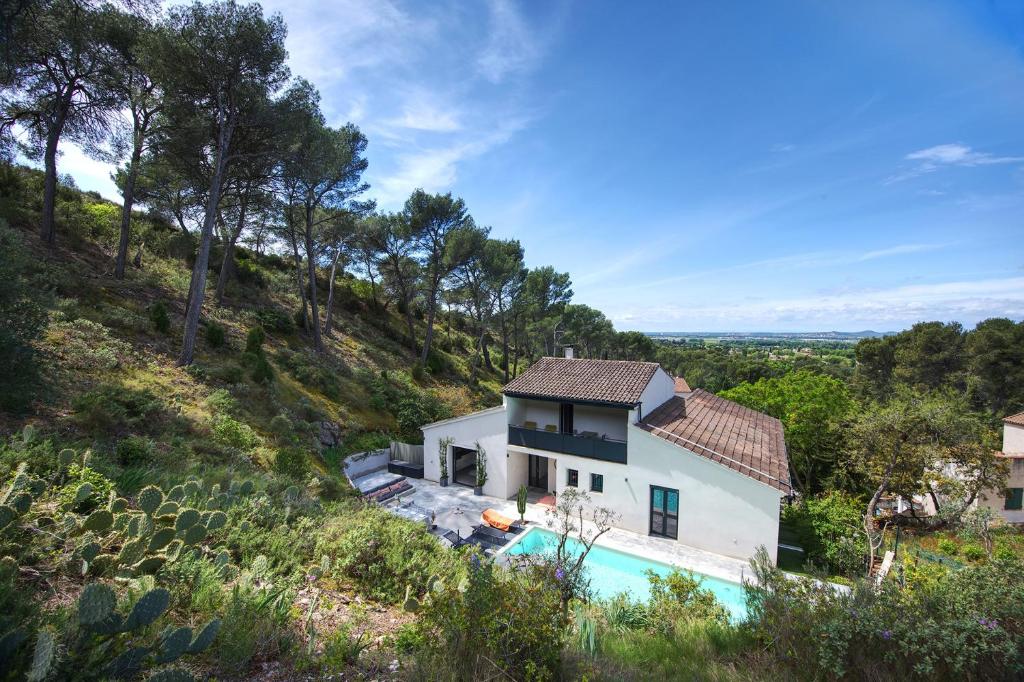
{"points": [[612, 572]]}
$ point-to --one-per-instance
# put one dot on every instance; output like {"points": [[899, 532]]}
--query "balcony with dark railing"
{"points": [[584, 444]]}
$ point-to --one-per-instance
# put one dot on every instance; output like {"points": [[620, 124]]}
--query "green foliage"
{"points": [[214, 335], [463, 623], [256, 621], [829, 528], [679, 595], [958, 625], [229, 431], [134, 450], [291, 462], [98, 491], [947, 546], [158, 316], [23, 311], [382, 554], [110, 409], [262, 371], [973, 552], [254, 340], [521, 496]]}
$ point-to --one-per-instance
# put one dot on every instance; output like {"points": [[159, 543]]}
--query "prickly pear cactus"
{"points": [[216, 521], [410, 603], [99, 521], [149, 565], [186, 519], [192, 488], [96, 604], [205, 637], [7, 515], [168, 508], [176, 494], [82, 493], [160, 539], [194, 535], [118, 505], [42, 656], [131, 553], [150, 606], [173, 550], [150, 499], [66, 457], [89, 551], [174, 644], [21, 502]]}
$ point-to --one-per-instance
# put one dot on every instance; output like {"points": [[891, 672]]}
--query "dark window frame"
{"points": [[572, 478], [599, 480], [663, 531], [1014, 500]]}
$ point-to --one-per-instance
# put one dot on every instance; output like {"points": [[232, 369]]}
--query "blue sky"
{"points": [[702, 165]]}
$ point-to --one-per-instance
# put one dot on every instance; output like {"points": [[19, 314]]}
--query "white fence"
{"points": [[413, 454]]}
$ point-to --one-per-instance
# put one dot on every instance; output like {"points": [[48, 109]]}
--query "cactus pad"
{"points": [[128, 663], [131, 553], [173, 550], [174, 645], [149, 607], [186, 519], [205, 637], [223, 557], [99, 521], [260, 566], [216, 521], [42, 656], [246, 488], [21, 502], [161, 539], [176, 494], [149, 499], [7, 515], [37, 487], [90, 550], [118, 505], [96, 604], [168, 508], [149, 565], [66, 457], [194, 535], [82, 493], [192, 488]]}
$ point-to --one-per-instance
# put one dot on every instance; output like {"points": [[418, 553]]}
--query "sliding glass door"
{"points": [[664, 512]]}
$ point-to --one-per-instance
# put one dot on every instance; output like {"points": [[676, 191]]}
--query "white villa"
{"points": [[678, 464], [1009, 503]]}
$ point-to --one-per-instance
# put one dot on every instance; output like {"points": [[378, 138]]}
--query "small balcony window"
{"points": [[572, 478], [596, 483]]}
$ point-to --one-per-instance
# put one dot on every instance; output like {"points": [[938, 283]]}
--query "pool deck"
{"points": [[457, 508]]}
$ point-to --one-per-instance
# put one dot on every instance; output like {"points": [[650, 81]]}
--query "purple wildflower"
{"points": [[559, 573], [886, 634]]}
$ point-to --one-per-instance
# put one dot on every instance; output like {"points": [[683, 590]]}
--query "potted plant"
{"points": [[481, 470], [521, 503], [442, 455]]}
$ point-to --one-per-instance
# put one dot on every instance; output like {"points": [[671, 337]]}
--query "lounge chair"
{"points": [[551, 428], [530, 425], [492, 517]]}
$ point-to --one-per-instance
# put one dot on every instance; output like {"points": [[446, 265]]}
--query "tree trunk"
{"points": [[227, 263], [197, 288], [869, 514], [330, 293], [412, 327], [126, 209], [46, 227], [428, 337], [314, 312], [298, 271]]}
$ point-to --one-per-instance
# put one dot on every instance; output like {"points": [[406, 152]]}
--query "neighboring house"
{"points": [[1009, 502], [680, 464]]}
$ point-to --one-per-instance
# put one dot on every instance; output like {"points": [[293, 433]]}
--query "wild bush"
{"points": [[256, 622], [254, 340], [110, 409], [235, 434], [383, 553], [133, 450], [23, 311], [158, 315], [829, 529], [214, 334], [679, 596], [492, 623], [275, 320], [963, 624], [262, 371], [292, 462]]}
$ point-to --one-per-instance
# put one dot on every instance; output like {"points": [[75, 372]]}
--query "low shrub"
{"points": [[292, 461], [254, 340], [255, 623], [262, 371], [679, 596], [383, 553], [214, 334], [78, 475], [829, 529], [275, 320], [973, 552], [133, 450], [111, 409], [159, 317], [235, 434], [947, 546]]}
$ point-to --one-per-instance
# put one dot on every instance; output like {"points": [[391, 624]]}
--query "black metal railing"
{"points": [[595, 447]]}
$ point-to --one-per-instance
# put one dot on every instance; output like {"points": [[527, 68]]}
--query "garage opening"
{"points": [[465, 465]]}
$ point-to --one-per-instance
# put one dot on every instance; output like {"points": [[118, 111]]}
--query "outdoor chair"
{"points": [[551, 428], [530, 425]]}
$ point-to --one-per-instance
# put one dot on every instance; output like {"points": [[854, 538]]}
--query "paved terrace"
{"points": [[457, 508]]}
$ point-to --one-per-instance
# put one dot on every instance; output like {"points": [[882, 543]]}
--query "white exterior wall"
{"points": [[489, 428], [720, 510], [661, 387], [1013, 439]]}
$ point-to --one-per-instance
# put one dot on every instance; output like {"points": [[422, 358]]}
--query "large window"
{"points": [[1014, 499], [664, 512], [572, 478], [596, 483]]}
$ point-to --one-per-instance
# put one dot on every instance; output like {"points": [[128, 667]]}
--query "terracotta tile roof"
{"points": [[682, 386], [603, 381], [737, 437], [1016, 419]]}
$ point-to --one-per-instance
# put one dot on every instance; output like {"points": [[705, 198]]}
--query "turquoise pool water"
{"points": [[612, 572]]}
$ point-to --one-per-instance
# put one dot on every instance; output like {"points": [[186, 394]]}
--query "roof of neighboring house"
{"points": [[1015, 419], [745, 440], [682, 386], [619, 382]]}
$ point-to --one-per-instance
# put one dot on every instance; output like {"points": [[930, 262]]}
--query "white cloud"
{"points": [[512, 45], [947, 155], [896, 307]]}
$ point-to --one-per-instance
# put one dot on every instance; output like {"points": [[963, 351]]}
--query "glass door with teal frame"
{"points": [[664, 512]]}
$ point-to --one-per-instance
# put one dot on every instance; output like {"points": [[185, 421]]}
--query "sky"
{"points": [[701, 166]]}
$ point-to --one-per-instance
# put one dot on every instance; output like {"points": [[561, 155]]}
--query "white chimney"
{"points": [[568, 352]]}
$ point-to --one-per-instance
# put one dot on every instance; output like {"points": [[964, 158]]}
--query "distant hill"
{"points": [[806, 336]]}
